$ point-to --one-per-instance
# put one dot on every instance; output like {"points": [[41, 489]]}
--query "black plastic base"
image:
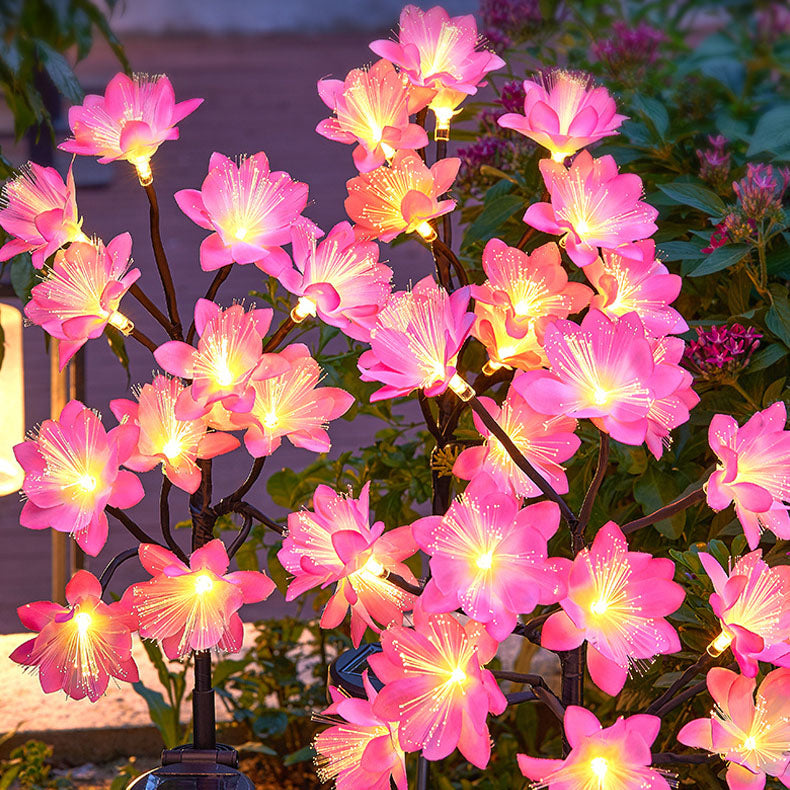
{"points": [[186, 768]]}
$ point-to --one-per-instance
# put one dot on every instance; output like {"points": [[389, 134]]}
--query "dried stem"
{"points": [[665, 512]]}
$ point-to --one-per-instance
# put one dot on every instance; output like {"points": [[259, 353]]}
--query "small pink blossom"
{"points": [[592, 205], [250, 210], [753, 471], [79, 647], [722, 351], [39, 211], [617, 601], [194, 607], [72, 473], [493, 326]]}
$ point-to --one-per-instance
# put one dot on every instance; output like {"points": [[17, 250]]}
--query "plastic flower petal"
{"points": [[617, 601], [601, 758], [592, 205], [753, 471], [750, 733], [82, 292], [401, 198], [194, 607], [78, 647], [250, 210], [72, 472], [564, 112], [752, 603], [416, 340], [165, 439], [436, 688]]}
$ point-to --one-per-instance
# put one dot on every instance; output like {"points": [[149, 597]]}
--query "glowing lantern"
{"points": [[12, 397]]}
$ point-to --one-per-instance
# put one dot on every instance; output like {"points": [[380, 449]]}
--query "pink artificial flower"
{"points": [[292, 405], [751, 735], [341, 279], [637, 285], [250, 209], [81, 293], [416, 340], [489, 557], [545, 442], [133, 118], [72, 473], [493, 326], [194, 607], [602, 369], [227, 359], [335, 543], [563, 112], [753, 606], [436, 688], [79, 647], [163, 438], [592, 205], [600, 758], [617, 601], [753, 471], [40, 212], [371, 107], [401, 198]]}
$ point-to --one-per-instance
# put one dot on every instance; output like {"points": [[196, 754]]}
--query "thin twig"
{"points": [[141, 338], [113, 565], [164, 521], [139, 533], [528, 234], [219, 278], [701, 665], [404, 585], [247, 509], [137, 292], [693, 758], [539, 687], [595, 485], [285, 327], [244, 532], [697, 495]]}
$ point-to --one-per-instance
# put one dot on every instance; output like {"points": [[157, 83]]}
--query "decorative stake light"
{"points": [[12, 396]]}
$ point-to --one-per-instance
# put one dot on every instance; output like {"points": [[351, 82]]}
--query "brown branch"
{"points": [[285, 327], [668, 758], [164, 521], [697, 495], [595, 485], [539, 688], [245, 508], [137, 292], [399, 581], [143, 339], [701, 665], [219, 278], [130, 525], [528, 234]]}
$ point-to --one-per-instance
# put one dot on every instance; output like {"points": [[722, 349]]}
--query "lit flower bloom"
{"points": [[227, 359], [336, 543], [753, 606], [340, 280], [617, 601], [753, 471], [81, 294], [610, 758], [544, 441], [563, 112], [416, 340], [435, 686], [492, 329], [79, 647], [751, 735], [643, 286], [291, 404], [489, 557], [40, 212], [72, 472], [250, 209], [163, 438], [371, 107], [592, 205], [401, 198], [194, 607], [133, 118], [359, 749]]}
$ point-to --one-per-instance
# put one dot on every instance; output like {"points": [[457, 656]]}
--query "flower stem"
{"points": [[697, 495]]}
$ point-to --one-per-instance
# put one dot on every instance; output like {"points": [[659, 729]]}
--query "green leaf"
{"points": [[494, 215], [679, 251], [695, 196], [300, 756], [654, 111], [257, 748], [768, 356], [23, 276], [772, 132], [778, 317], [60, 72], [118, 345], [721, 258], [164, 718]]}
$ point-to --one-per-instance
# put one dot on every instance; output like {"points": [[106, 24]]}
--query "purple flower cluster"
{"points": [[508, 23], [722, 350], [759, 193], [629, 50], [715, 162], [512, 96]]}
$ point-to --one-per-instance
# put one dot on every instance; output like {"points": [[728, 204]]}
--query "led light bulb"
{"points": [[203, 584], [463, 390], [143, 166], [83, 621], [120, 322], [427, 231], [719, 644], [304, 308]]}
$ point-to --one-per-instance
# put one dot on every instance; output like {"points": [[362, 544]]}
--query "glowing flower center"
{"points": [[457, 675], [87, 483], [559, 156], [83, 621], [387, 150], [599, 766], [599, 606], [600, 396], [750, 744], [143, 166], [241, 233], [374, 566], [485, 561], [270, 420], [172, 449], [203, 584], [223, 373], [581, 227]]}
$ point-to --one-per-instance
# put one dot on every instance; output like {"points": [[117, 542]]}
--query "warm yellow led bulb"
{"points": [[172, 449], [599, 606], [143, 166], [599, 767], [463, 390], [270, 420], [581, 227], [388, 151], [305, 307], [560, 156], [719, 644], [241, 233], [750, 744], [83, 621], [87, 482], [374, 566], [203, 584], [427, 231], [120, 322]]}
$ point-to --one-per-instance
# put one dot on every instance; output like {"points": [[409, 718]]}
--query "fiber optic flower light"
{"points": [[492, 329], [592, 205], [372, 107], [753, 471], [82, 292], [335, 543], [436, 688], [133, 118], [39, 211], [489, 557], [250, 209], [194, 607], [164, 439], [610, 758], [753, 605], [401, 198], [750, 734], [617, 601], [291, 404], [564, 112], [416, 340], [78, 647], [72, 472]]}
